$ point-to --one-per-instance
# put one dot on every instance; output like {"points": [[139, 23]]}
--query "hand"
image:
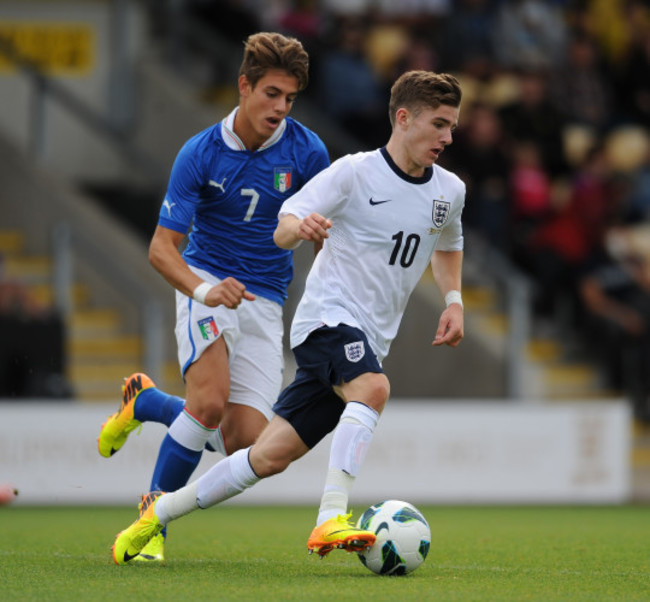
{"points": [[632, 322], [314, 227], [229, 293], [450, 327]]}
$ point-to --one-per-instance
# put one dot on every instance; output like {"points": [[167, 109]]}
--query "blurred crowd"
{"points": [[32, 343], [554, 140]]}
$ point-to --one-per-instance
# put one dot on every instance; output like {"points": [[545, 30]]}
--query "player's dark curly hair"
{"points": [[268, 50], [415, 90]]}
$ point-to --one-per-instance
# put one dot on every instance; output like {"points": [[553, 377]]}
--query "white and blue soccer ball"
{"points": [[403, 538]]}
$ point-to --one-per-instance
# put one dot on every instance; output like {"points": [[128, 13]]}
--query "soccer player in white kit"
{"points": [[382, 217]]}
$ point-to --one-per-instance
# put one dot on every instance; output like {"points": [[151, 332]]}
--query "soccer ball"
{"points": [[403, 538]]}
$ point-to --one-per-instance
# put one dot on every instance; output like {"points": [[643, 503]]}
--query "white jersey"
{"points": [[385, 227]]}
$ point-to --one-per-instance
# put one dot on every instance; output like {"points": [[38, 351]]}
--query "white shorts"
{"points": [[253, 335]]}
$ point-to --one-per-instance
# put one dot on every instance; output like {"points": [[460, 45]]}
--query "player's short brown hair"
{"points": [[415, 90], [268, 50]]}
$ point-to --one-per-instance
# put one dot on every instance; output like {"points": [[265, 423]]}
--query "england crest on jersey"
{"points": [[282, 178], [355, 351], [440, 213]]}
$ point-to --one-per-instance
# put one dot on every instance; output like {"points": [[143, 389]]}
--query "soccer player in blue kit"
{"points": [[383, 217], [226, 186]]}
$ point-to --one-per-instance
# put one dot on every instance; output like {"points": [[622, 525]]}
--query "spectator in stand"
{"points": [[350, 90], [581, 86], [616, 25], [32, 345], [304, 20], [533, 116], [468, 44], [418, 54], [636, 205], [479, 157], [530, 188], [615, 297], [567, 240], [634, 83], [529, 34]]}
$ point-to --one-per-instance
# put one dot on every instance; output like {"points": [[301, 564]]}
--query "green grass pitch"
{"points": [[243, 553]]}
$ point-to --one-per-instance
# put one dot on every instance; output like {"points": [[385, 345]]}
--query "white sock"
{"points": [[177, 503], [189, 432], [334, 500], [225, 479], [350, 443], [216, 441]]}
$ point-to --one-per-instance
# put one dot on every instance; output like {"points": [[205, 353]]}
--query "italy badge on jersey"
{"points": [[282, 178], [208, 328]]}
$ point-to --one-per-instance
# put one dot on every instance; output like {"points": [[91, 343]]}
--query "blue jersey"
{"points": [[231, 196]]}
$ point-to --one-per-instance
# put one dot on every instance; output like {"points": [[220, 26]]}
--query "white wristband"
{"points": [[201, 291], [453, 297]]}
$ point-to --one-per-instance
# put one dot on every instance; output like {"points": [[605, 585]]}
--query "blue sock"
{"points": [[174, 466], [154, 405]]}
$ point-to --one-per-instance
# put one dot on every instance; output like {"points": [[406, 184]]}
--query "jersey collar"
{"points": [[423, 179], [234, 142]]}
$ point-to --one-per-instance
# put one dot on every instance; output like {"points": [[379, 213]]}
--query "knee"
{"points": [[208, 412], [265, 465], [377, 391]]}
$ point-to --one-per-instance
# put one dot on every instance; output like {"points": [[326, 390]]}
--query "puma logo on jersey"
{"points": [[167, 205], [217, 185]]}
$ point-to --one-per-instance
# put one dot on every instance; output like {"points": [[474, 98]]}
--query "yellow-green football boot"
{"points": [[117, 428], [130, 542], [154, 551], [339, 532]]}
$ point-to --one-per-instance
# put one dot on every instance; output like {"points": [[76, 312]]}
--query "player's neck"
{"points": [[401, 158], [246, 133]]}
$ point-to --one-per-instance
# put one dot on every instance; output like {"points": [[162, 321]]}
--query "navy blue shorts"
{"points": [[329, 356]]}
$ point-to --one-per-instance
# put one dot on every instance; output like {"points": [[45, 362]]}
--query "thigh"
{"points": [[207, 385], [241, 426], [277, 446]]}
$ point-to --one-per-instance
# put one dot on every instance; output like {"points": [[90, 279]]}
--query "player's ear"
{"points": [[244, 85], [402, 117]]}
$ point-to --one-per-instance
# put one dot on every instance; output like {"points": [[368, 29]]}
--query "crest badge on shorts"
{"points": [[355, 351], [208, 328], [282, 178], [440, 212]]}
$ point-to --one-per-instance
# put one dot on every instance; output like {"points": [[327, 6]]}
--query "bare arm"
{"points": [[447, 271], [291, 231], [600, 304], [165, 257]]}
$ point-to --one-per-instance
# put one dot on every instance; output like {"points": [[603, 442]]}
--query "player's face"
{"points": [[427, 134], [263, 107]]}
